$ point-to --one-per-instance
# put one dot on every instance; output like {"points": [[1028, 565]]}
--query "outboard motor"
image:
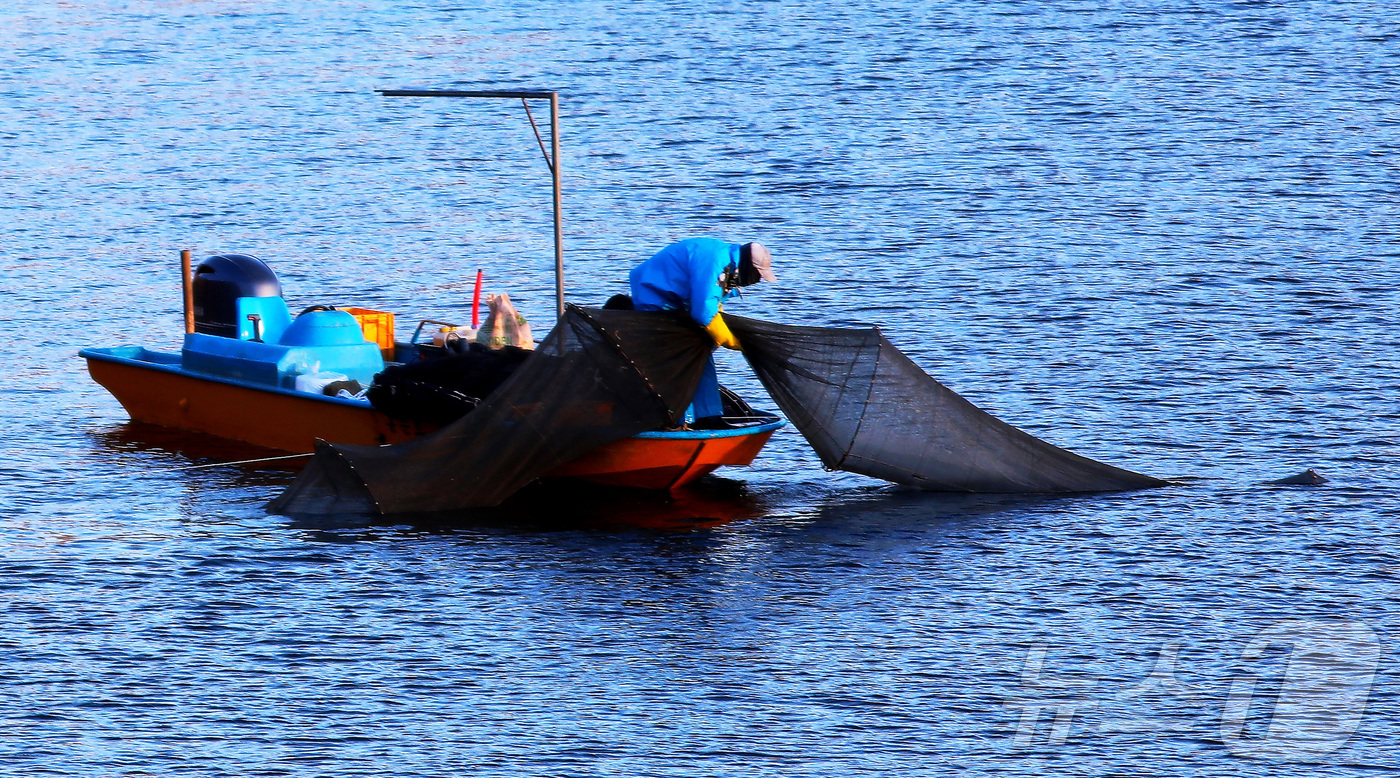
{"points": [[218, 283]]}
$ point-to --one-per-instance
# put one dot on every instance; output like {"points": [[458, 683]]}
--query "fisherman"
{"points": [[697, 275]]}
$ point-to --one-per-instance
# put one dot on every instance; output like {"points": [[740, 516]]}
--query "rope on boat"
{"points": [[86, 476], [237, 462]]}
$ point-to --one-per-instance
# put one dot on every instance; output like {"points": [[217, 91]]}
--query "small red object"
{"points": [[476, 301]]}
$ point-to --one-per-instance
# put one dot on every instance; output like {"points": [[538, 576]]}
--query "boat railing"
{"points": [[418, 331]]}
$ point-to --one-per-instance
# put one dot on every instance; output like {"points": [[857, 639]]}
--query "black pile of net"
{"points": [[441, 390], [603, 375], [867, 408], [599, 376]]}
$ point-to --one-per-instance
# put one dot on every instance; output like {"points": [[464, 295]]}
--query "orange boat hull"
{"points": [[652, 463], [292, 421]]}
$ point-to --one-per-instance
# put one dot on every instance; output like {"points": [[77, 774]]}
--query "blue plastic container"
{"points": [[315, 342]]}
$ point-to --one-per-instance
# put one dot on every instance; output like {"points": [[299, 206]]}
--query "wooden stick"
{"points": [[189, 290]]}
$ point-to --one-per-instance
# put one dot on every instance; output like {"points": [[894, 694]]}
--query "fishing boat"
{"points": [[250, 371]]}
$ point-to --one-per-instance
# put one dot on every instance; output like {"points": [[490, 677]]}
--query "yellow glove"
{"points": [[720, 332]]}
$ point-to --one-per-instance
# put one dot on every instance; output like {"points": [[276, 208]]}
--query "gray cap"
{"points": [[762, 261]]}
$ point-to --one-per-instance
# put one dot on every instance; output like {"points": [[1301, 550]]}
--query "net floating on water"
{"points": [[866, 408]]}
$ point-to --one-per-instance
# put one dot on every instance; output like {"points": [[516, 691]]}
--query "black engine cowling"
{"points": [[218, 283]]}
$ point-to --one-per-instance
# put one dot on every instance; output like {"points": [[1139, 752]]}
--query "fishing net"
{"points": [[603, 375], [867, 408], [442, 389], [599, 376]]}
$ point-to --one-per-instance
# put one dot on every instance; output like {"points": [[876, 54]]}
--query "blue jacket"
{"points": [[685, 276]]}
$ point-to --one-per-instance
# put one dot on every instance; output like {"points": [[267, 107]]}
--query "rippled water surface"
{"points": [[1166, 239]]}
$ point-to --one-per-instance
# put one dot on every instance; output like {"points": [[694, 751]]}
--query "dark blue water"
{"points": [[1168, 239]]}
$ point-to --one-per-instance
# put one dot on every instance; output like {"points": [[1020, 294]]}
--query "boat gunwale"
{"points": [[176, 368], [734, 432]]}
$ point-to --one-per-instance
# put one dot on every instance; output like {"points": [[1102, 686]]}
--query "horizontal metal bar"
{"points": [[458, 93]]}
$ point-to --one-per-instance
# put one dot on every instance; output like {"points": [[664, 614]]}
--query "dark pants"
{"points": [[707, 402]]}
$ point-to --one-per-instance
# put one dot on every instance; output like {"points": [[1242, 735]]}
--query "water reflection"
{"points": [[564, 504], [208, 465], [210, 475], [902, 507], [182, 448]]}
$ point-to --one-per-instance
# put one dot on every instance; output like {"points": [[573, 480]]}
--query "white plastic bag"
{"points": [[504, 326]]}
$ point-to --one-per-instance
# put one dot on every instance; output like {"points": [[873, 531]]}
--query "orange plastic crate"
{"points": [[378, 327]]}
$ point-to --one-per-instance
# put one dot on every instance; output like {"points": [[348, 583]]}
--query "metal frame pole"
{"points": [[550, 159], [558, 210]]}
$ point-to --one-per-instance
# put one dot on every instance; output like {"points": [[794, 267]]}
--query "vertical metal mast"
{"points": [[558, 209], [552, 160]]}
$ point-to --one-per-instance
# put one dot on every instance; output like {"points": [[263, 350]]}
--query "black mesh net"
{"points": [[599, 376], [442, 389], [603, 375], [866, 408]]}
